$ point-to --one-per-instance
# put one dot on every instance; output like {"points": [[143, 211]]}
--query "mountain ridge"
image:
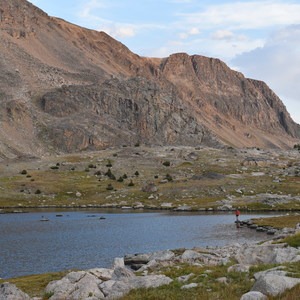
{"points": [[65, 88]]}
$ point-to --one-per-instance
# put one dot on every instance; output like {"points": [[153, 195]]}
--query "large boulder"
{"points": [[272, 284], [75, 286], [267, 254], [9, 291]]}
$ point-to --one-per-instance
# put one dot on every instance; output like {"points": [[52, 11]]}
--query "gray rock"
{"points": [[87, 288], [274, 271], [189, 286], [267, 254], [190, 255], [9, 291], [119, 262], [254, 296], [239, 268], [183, 208], [61, 289], [222, 280], [102, 273], [131, 259], [162, 255], [274, 284], [121, 273], [149, 281], [185, 278], [113, 289], [75, 286]]}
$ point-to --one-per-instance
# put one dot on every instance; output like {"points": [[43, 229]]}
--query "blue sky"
{"points": [[259, 38]]}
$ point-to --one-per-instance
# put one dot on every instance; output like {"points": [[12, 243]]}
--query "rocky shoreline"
{"points": [[136, 271]]}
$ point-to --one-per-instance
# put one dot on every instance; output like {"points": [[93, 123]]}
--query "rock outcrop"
{"points": [[64, 88], [102, 283], [9, 291]]}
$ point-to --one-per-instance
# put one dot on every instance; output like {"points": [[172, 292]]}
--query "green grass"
{"points": [[279, 222], [55, 185], [34, 285], [292, 240]]}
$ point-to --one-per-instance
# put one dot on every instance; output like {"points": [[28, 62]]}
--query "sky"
{"points": [[259, 38]]}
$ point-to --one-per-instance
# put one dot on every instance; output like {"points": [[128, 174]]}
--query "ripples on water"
{"points": [[80, 240]]}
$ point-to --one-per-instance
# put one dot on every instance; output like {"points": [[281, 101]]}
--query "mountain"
{"points": [[64, 88]]}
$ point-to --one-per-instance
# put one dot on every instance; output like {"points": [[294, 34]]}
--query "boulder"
{"points": [[240, 268], [162, 255], [60, 289], [75, 286], [185, 278], [272, 284], [254, 296], [87, 288], [149, 188], [102, 273], [9, 291], [267, 254], [118, 262], [132, 259], [122, 273], [190, 255], [189, 286], [149, 281], [114, 289]]}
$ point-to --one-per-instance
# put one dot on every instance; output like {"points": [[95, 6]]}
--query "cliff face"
{"points": [[64, 88]]}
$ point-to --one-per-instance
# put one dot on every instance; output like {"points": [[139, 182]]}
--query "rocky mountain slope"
{"points": [[64, 88]]}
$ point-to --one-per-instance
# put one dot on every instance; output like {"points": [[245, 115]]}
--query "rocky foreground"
{"points": [[137, 271]]}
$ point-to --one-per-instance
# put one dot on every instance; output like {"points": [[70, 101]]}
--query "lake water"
{"points": [[81, 240]]}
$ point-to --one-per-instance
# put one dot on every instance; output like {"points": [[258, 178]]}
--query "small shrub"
{"points": [[109, 187], [130, 183], [28, 176], [136, 173], [98, 173], [54, 167], [37, 192], [87, 169], [166, 163], [110, 175], [91, 166], [125, 176], [115, 154], [120, 179], [137, 144], [58, 164], [155, 176], [23, 172], [297, 147], [72, 169], [109, 164], [169, 177]]}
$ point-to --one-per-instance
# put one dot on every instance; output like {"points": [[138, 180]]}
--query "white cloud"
{"points": [[180, 1], [193, 31], [245, 15], [277, 63], [223, 35], [119, 30], [90, 6]]}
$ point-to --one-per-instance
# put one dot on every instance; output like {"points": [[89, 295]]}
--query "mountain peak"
{"points": [[68, 88]]}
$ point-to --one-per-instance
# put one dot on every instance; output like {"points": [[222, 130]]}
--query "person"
{"points": [[237, 214]]}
